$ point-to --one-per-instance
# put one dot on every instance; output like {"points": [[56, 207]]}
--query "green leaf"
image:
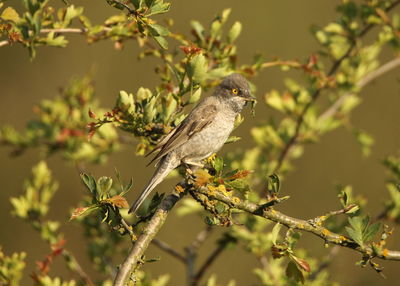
{"points": [[11, 267], [361, 231], [158, 30], [58, 41], [349, 103], [115, 19], [197, 68], [158, 8], [89, 182], [273, 184], [137, 3], [125, 102], [195, 96], [71, 13], [33, 204], [162, 42], [365, 140], [292, 271], [218, 164], [232, 139], [358, 225], [9, 14], [211, 220], [104, 185], [275, 232], [355, 235], [239, 185], [234, 32], [198, 29], [371, 231], [220, 207]]}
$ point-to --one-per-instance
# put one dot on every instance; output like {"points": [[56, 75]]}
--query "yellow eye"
{"points": [[235, 91]]}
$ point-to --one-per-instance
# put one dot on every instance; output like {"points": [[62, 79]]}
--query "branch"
{"points": [[316, 94], [191, 253], [59, 31], [293, 64], [136, 253], [299, 224]]}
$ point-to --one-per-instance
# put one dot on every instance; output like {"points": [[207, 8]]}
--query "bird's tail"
{"points": [[164, 167]]}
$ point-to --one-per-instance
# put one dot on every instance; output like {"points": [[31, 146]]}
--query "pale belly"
{"points": [[206, 142]]}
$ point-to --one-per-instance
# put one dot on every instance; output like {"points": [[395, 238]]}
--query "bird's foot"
{"points": [[211, 158]]}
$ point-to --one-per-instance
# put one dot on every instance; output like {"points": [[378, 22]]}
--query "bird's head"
{"points": [[235, 88]]}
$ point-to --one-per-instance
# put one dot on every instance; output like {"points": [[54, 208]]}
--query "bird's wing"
{"points": [[163, 141], [200, 117]]}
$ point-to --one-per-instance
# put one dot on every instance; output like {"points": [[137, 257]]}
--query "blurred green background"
{"points": [[274, 28]]}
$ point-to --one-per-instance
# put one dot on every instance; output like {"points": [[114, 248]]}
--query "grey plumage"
{"points": [[202, 133]]}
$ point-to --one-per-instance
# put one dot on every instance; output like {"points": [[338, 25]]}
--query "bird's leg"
{"points": [[191, 166]]}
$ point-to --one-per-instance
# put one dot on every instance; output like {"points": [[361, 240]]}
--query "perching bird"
{"points": [[201, 133]]}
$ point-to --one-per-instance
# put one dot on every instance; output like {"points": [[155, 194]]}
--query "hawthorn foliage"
{"points": [[240, 191]]}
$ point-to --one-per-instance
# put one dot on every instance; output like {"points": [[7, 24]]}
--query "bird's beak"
{"points": [[248, 96]]}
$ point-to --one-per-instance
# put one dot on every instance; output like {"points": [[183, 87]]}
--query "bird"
{"points": [[202, 133]]}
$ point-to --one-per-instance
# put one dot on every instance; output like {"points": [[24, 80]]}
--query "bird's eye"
{"points": [[235, 91]]}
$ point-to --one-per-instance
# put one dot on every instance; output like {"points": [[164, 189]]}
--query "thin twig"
{"points": [[130, 10], [201, 237], [325, 264], [168, 249], [65, 31], [135, 254], [267, 268], [191, 257], [316, 94], [294, 223], [191, 253], [293, 64], [363, 82], [76, 267], [209, 261], [159, 243], [341, 211], [127, 227]]}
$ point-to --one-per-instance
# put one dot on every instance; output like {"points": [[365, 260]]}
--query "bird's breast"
{"points": [[210, 139]]}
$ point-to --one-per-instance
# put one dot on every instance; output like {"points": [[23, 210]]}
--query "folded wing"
{"points": [[197, 120]]}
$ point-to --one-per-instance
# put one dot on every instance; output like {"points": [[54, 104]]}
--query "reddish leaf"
{"points": [[240, 174], [91, 133], [92, 114], [78, 212], [63, 135], [76, 132], [190, 50], [58, 247], [119, 201], [302, 263]]}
